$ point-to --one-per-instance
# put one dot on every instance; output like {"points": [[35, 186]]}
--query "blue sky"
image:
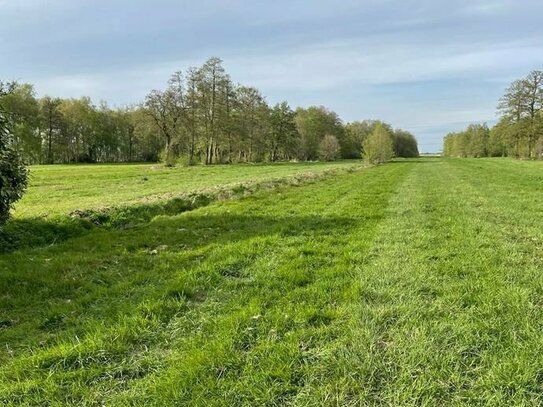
{"points": [[426, 66]]}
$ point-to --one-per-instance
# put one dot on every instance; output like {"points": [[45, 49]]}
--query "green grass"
{"points": [[415, 283], [61, 189]]}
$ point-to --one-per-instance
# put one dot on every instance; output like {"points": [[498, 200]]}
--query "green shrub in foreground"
{"points": [[13, 173]]}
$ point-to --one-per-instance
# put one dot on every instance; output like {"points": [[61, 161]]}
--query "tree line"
{"points": [[519, 131], [200, 116]]}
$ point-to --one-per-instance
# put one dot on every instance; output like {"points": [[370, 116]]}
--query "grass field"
{"points": [[61, 189], [415, 283]]}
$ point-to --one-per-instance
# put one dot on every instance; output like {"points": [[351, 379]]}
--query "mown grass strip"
{"points": [[33, 232], [448, 311], [234, 303], [57, 190]]}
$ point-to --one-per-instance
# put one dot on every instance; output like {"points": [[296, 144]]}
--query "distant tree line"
{"points": [[200, 117], [519, 132]]}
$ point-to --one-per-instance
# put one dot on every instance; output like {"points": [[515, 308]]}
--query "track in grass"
{"points": [[413, 283]]}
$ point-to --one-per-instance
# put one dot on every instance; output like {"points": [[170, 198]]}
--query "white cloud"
{"points": [[325, 66], [318, 67], [488, 7]]}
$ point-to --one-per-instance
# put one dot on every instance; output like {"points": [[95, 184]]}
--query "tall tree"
{"points": [[252, 116], [167, 109], [284, 137], [211, 83], [520, 106], [79, 130], [193, 107], [52, 122]]}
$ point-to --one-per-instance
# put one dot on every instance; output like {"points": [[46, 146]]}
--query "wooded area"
{"points": [[200, 117], [519, 132]]}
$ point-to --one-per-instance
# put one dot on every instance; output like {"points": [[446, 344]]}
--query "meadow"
{"points": [[414, 283], [61, 189]]}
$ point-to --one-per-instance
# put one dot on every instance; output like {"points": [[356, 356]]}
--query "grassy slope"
{"points": [[413, 283], [61, 189]]}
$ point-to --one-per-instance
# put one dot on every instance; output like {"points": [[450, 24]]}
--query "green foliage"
{"points": [[21, 105], [284, 140], [378, 146], [201, 116], [352, 143], [13, 172], [13, 177], [497, 140], [313, 124], [355, 135], [405, 144], [472, 142], [519, 132], [329, 149]]}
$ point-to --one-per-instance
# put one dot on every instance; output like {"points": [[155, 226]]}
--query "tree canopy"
{"points": [[379, 145]]}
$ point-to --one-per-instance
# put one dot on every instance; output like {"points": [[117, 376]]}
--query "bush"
{"points": [[13, 172], [379, 147]]}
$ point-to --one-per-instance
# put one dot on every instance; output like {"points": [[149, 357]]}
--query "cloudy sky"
{"points": [[426, 66]]}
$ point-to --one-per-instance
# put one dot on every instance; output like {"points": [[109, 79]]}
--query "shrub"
{"points": [[379, 147], [13, 172]]}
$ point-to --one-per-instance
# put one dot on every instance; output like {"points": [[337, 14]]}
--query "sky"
{"points": [[429, 67]]}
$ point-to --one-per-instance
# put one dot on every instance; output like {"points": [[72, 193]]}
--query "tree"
{"points": [[520, 106], [355, 134], [378, 147], [538, 126], [405, 144], [51, 123], [212, 79], [284, 137], [22, 107], [79, 133], [146, 145], [533, 94], [193, 109], [329, 149], [533, 88], [497, 140], [13, 173], [313, 124], [472, 142], [167, 109], [252, 127], [478, 140]]}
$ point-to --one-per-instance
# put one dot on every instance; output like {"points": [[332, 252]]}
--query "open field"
{"points": [[61, 189], [418, 282]]}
